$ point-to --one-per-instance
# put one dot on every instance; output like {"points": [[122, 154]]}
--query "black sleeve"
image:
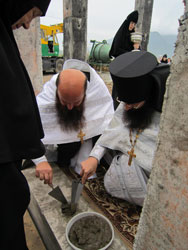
{"points": [[14, 10], [42, 5]]}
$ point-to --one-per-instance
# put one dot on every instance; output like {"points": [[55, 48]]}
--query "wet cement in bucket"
{"points": [[90, 233]]}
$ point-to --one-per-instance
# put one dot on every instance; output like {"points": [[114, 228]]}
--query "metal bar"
{"points": [[42, 226]]}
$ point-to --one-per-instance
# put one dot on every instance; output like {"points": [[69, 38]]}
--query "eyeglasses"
{"points": [[137, 106], [133, 105], [117, 100]]}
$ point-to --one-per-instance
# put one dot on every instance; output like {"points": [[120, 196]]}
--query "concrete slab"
{"points": [[46, 212]]}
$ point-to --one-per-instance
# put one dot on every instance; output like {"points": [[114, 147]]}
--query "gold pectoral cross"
{"points": [[81, 135], [131, 155]]}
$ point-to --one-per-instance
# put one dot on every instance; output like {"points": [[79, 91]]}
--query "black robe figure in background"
{"points": [[164, 59], [122, 40], [122, 43], [20, 127]]}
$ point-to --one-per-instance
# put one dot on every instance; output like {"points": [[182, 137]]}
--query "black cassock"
{"points": [[20, 127], [122, 43], [122, 40]]}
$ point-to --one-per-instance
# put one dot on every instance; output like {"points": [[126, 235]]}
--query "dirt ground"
{"points": [[34, 241], [47, 77]]}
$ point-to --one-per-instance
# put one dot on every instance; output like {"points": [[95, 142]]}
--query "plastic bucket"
{"points": [[85, 214]]}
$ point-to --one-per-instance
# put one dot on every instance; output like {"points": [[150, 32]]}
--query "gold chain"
{"points": [[131, 152]]}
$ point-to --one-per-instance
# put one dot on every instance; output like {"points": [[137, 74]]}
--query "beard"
{"points": [[70, 120], [139, 118]]}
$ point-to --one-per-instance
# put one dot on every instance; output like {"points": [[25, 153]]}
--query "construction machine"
{"points": [[99, 55], [51, 59]]}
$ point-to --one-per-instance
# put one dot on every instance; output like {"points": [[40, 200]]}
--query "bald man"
{"points": [[71, 86], [75, 107]]}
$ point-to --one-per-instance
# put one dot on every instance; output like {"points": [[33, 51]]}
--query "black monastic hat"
{"points": [[130, 76], [137, 77]]}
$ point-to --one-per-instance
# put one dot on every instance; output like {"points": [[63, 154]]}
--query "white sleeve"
{"points": [[39, 160], [98, 152]]}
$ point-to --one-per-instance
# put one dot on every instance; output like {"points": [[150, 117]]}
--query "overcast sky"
{"points": [[106, 16]]}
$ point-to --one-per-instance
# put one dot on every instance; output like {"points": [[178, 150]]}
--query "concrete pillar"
{"points": [[164, 221], [29, 45], [75, 29], [144, 8]]}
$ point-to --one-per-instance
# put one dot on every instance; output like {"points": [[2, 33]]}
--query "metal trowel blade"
{"points": [[57, 194], [77, 187]]}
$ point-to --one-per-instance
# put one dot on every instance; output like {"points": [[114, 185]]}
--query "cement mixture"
{"points": [[90, 233]]}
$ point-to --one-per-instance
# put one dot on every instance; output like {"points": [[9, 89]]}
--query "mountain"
{"points": [[159, 44]]}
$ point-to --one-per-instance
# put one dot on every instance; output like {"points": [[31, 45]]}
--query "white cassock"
{"points": [[121, 180], [98, 113]]}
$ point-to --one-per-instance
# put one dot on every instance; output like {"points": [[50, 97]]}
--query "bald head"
{"points": [[71, 88]]}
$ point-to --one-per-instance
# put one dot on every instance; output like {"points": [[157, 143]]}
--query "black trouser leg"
{"points": [[67, 151], [94, 139], [14, 200]]}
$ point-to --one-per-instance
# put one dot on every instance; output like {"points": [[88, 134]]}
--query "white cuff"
{"points": [[98, 152], [39, 160]]}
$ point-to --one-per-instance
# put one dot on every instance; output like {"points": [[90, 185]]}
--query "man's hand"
{"points": [[89, 167], [26, 19], [136, 46], [44, 172]]}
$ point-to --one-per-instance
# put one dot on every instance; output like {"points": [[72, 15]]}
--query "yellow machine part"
{"points": [[52, 30]]}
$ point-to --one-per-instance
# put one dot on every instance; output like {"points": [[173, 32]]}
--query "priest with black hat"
{"points": [[132, 134]]}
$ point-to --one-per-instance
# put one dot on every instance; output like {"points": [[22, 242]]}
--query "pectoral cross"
{"points": [[81, 135], [131, 155]]}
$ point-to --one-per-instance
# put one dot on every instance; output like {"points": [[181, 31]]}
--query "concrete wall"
{"points": [[164, 220], [29, 45], [145, 8], [75, 29]]}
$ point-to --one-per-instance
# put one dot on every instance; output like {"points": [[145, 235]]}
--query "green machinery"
{"points": [[99, 54]]}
